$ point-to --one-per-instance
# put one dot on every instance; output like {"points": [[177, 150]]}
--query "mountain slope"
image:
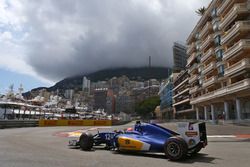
{"points": [[141, 74]]}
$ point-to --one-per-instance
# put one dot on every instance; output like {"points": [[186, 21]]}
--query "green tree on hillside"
{"points": [[146, 108]]}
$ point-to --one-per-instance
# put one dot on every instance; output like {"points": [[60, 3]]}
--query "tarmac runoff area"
{"points": [[228, 145]]}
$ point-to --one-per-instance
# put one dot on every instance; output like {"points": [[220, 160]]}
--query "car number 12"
{"points": [[109, 136]]}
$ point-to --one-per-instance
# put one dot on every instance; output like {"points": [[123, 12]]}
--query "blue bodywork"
{"points": [[105, 138], [152, 134]]}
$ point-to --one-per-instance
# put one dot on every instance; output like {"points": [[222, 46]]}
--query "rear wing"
{"points": [[193, 133]]}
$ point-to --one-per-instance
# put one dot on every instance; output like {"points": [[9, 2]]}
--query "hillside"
{"points": [[143, 73]]}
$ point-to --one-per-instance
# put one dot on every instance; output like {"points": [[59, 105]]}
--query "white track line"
{"points": [[221, 136]]}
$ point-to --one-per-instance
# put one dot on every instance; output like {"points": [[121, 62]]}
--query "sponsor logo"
{"points": [[191, 133], [129, 144]]}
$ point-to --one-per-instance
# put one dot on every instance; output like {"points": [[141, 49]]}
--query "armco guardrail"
{"points": [[42, 123], [116, 122], [75, 123], [18, 123]]}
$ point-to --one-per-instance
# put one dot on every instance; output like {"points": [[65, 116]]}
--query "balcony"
{"points": [[209, 81], [207, 42], [181, 102], [241, 85], [211, 66], [230, 89], [191, 58], [193, 78], [237, 67], [191, 48], [226, 5], [237, 49], [207, 55], [192, 68], [239, 28], [237, 10], [180, 93], [179, 85], [193, 89], [206, 29]]}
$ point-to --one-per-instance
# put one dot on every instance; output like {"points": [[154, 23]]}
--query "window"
{"points": [[221, 70], [198, 45], [200, 69], [214, 13], [219, 55], [197, 35], [198, 58], [217, 40], [216, 26], [200, 81]]}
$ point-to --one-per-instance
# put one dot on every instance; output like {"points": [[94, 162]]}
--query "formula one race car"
{"points": [[145, 137]]}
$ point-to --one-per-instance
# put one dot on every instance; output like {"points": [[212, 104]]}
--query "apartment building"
{"points": [[219, 61], [166, 97], [181, 98]]}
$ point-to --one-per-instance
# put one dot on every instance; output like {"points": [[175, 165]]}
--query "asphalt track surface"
{"points": [[45, 147]]}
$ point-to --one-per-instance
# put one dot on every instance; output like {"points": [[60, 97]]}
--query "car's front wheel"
{"points": [[175, 148], [86, 141]]}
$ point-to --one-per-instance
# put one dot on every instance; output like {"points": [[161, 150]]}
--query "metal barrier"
{"points": [[42, 123], [75, 123], [18, 123]]}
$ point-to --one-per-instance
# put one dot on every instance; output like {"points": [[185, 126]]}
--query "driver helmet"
{"points": [[129, 129]]}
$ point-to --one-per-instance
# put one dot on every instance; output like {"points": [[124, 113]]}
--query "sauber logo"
{"points": [[191, 133]]}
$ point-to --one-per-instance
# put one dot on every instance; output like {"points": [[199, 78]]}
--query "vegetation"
{"points": [[201, 11], [146, 108], [143, 73]]}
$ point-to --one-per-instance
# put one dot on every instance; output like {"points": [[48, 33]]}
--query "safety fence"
{"points": [[75, 123], [44, 123]]}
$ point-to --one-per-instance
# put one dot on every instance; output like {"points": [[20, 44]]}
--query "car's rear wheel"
{"points": [[175, 148], [86, 141]]}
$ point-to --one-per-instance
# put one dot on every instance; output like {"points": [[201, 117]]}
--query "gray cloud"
{"points": [[73, 37]]}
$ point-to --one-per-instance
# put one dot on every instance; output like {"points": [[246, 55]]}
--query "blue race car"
{"points": [[146, 137]]}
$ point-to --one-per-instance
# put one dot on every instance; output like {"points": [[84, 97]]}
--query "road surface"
{"points": [[45, 147]]}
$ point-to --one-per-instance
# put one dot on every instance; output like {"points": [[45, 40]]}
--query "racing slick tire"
{"points": [[175, 148], [86, 141]]}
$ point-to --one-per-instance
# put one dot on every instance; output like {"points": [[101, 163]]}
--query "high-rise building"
{"points": [[85, 85], [69, 94], [219, 61], [110, 102], [100, 96], [179, 57]]}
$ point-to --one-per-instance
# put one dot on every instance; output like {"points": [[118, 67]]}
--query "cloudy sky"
{"points": [[43, 41]]}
